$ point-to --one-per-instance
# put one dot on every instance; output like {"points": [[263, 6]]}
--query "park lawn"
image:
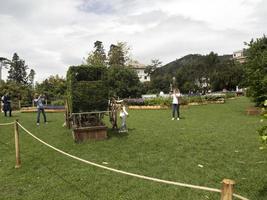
{"points": [[220, 137]]}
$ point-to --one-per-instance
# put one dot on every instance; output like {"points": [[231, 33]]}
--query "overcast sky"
{"points": [[51, 35]]}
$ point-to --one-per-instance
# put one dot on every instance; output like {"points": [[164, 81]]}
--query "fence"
{"points": [[227, 184]]}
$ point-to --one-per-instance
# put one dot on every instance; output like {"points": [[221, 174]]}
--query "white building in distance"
{"points": [[239, 56], [140, 70]]}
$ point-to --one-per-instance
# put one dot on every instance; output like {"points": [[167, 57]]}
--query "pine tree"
{"points": [[98, 56], [17, 71]]}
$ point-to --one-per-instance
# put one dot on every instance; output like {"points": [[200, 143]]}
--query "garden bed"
{"points": [[148, 107]]}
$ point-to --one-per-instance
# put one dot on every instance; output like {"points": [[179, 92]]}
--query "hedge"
{"points": [[86, 89]]}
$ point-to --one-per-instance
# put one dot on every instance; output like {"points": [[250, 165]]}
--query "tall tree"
{"points": [[118, 54], [256, 69], [98, 56], [123, 82], [154, 64], [17, 71], [31, 77]]}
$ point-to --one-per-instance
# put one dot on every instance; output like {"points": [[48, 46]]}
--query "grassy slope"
{"points": [[219, 137]]}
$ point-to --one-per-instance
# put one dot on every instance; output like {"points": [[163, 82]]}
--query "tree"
{"points": [[98, 56], [123, 82], [227, 75], [30, 77], [17, 71], [54, 87], [118, 55], [256, 69], [154, 64]]}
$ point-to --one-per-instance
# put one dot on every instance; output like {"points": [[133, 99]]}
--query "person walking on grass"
{"points": [[40, 109], [175, 103]]}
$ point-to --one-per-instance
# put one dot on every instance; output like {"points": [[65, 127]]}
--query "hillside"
{"points": [[188, 60]]}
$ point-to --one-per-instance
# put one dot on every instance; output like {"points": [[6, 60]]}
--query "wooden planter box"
{"points": [[89, 133]]}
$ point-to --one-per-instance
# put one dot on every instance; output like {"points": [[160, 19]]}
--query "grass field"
{"points": [[221, 137]]}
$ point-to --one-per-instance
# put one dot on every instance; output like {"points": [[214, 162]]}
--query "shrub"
{"points": [[230, 95], [263, 135], [58, 103], [158, 101], [214, 97], [86, 88]]}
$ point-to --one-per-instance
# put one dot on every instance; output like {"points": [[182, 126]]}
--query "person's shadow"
{"points": [[115, 133]]}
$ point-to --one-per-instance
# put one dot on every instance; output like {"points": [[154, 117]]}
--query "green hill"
{"points": [[195, 72]]}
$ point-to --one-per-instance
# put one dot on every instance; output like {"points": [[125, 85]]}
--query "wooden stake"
{"points": [[16, 129], [227, 189]]}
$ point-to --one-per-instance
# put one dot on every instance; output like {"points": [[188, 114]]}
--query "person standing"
{"points": [[7, 104], [123, 115], [40, 109], [176, 103]]}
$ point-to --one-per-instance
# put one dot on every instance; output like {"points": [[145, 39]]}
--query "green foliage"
{"points": [[159, 101], [263, 135], [17, 92], [155, 63], [87, 89], [53, 87], [98, 56], [199, 73], [230, 95], [18, 71], [256, 69], [60, 102], [117, 54], [123, 82]]}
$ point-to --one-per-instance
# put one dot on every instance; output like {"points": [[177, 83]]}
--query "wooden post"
{"points": [[227, 189], [16, 129]]}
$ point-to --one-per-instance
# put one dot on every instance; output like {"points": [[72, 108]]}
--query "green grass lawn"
{"points": [[221, 137]]}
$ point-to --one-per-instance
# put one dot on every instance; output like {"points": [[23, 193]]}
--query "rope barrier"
{"points": [[128, 173], [6, 124]]}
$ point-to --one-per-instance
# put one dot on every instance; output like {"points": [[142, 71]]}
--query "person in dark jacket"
{"points": [[7, 104]]}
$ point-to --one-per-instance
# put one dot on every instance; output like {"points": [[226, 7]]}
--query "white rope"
{"points": [[128, 173], [6, 124], [240, 197]]}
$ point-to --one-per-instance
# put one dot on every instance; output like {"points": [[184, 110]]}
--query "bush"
{"points": [[58, 103], [263, 135], [87, 90], [230, 95], [214, 97], [158, 101]]}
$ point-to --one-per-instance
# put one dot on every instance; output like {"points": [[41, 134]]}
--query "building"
{"points": [[140, 70], [239, 56]]}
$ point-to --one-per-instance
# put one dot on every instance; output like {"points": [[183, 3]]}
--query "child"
{"points": [[123, 115]]}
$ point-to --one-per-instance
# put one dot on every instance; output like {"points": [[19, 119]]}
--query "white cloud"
{"points": [[54, 34]]}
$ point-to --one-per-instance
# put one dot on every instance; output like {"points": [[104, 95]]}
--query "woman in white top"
{"points": [[175, 103]]}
